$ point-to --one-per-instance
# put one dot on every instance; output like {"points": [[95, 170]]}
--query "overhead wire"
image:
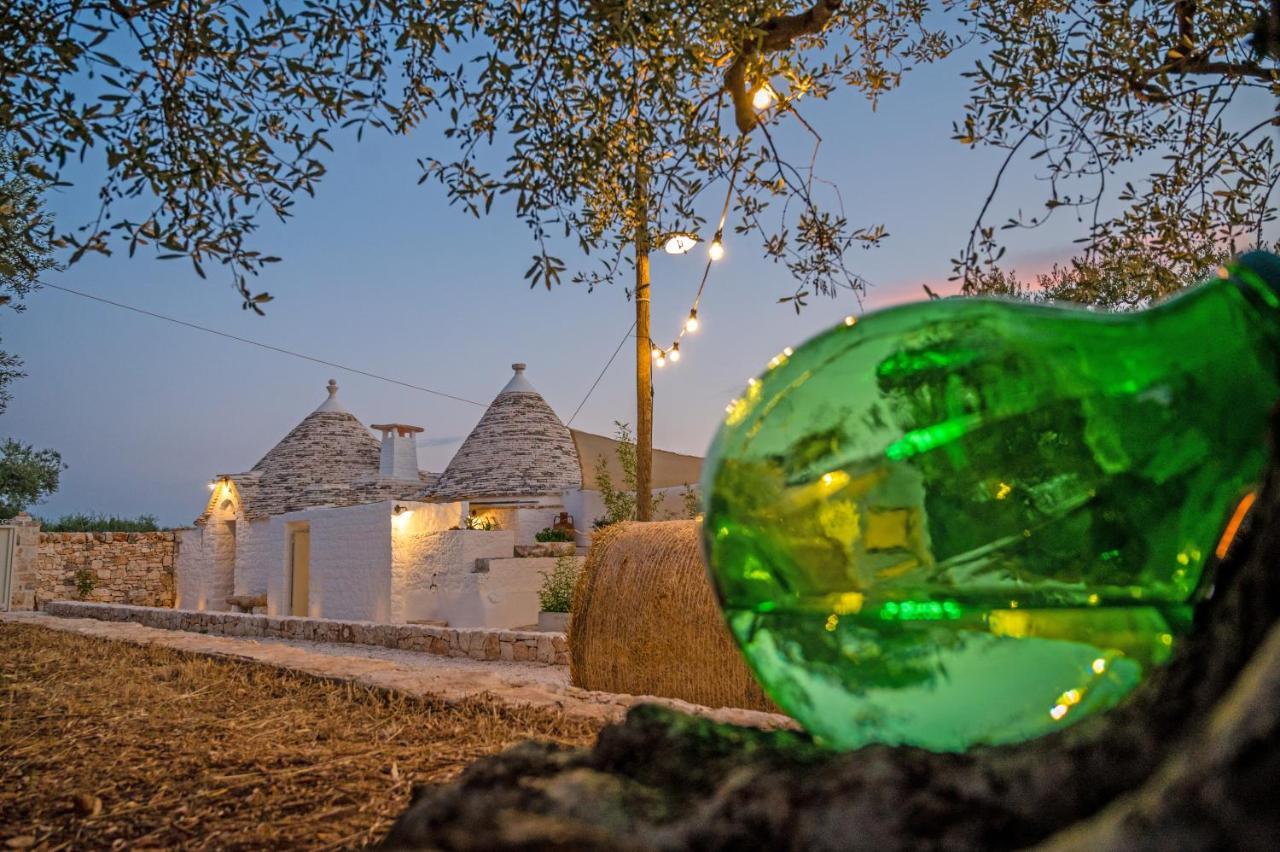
{"points": [[260, 344]]}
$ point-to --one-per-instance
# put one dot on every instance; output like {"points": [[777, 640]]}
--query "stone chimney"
{"points": [[399, 456]]}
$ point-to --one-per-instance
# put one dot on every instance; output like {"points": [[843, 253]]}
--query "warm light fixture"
{"points": [[656, 353], [764, 97], [691, 324], [662, 359], [716, 250], [400, 510], [680, 242], [674, 354]]}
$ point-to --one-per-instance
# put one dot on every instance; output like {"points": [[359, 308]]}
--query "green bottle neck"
{"points": [[1257, 274]]}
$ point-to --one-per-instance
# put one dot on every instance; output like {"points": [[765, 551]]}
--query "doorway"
{"points": [[299, 572]]}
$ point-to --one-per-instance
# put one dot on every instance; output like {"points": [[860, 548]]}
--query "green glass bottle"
{"points": [[971, 521]]}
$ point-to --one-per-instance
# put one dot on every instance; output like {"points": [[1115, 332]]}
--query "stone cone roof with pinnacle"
{"points": [[329, 459], [518, 449]]}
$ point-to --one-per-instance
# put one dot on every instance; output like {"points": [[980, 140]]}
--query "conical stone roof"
{"points": [[518, 449], [329, 459]]}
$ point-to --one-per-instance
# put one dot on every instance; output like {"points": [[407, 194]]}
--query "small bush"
{"points": [[553, 534], [85, 583], [100, 523], [556, 594], [484, 524]]}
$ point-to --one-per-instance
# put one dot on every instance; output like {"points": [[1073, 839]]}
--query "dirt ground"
{"points": [[110, 745]]}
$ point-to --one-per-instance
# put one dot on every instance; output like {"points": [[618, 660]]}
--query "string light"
{"points": [[763, 98], [680, 243]]}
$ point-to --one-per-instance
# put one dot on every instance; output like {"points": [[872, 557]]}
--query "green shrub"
{"points": [[620, 503], [553, 534], [100, 523], [85, 583], [556, 594], [485, 524]]}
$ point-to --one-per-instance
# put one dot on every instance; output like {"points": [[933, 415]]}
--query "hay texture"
{"points": [[645, 621], [110, 745]]}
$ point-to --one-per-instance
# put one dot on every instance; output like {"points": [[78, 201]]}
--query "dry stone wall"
{"points": [[478, 644], [129, 568]]}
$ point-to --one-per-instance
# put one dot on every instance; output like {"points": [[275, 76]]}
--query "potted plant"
{"points": [[555, 598]]}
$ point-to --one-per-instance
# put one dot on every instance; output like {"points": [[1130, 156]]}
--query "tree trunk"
{"points": [[644, 353]]}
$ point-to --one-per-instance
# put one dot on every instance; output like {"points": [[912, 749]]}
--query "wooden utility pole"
{"points": [[644, 352]]}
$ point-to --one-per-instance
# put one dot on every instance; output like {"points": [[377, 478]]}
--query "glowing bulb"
{"points": [[662, 360], [213, 485], [850, 320], [763, 97], [716, 250], [680, 243], [674, 355], [656, 353], [691, 324]]}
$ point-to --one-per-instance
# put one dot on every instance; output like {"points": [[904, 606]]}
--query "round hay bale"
{"points": [[645, 621]]}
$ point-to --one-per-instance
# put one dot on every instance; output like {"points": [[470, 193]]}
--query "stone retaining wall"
{"points": [[127, 568], [477, 643]]}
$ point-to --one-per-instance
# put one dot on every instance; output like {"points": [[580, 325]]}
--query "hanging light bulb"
{"points": [[655, 352], [662, 359], [679, 243], [691, 324], [764, 97], [716, 250], [674, 354]]}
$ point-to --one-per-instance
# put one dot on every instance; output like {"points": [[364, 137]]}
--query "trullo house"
{"points": [[335, 523]]}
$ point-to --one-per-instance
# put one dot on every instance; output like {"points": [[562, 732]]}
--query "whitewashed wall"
{"points": [[586, 505], [524, 521], [419, 538], [205, 570], [361, 556], [434, 585], [255, 556], [350, 562]]}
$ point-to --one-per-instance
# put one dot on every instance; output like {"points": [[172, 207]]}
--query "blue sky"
{"points": [[380, 274]]}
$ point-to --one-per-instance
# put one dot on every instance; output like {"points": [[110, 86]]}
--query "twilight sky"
{"points": [[380, 274]]}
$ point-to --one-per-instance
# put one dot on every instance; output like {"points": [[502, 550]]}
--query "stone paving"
{"points": [[410, 672]]}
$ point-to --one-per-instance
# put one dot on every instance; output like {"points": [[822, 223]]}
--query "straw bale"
{"points": [[645, 621]]}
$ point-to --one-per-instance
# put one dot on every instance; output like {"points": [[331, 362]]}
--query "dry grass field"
{"points": [[108, 745]]}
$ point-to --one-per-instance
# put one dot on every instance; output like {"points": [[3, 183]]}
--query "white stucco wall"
{"points": [[416, 542], [507, 594], [205, 570], [198, 582], [586, 505], [444, 582], [350, 562], [360, 556], [525, 522], [254, 556]]}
